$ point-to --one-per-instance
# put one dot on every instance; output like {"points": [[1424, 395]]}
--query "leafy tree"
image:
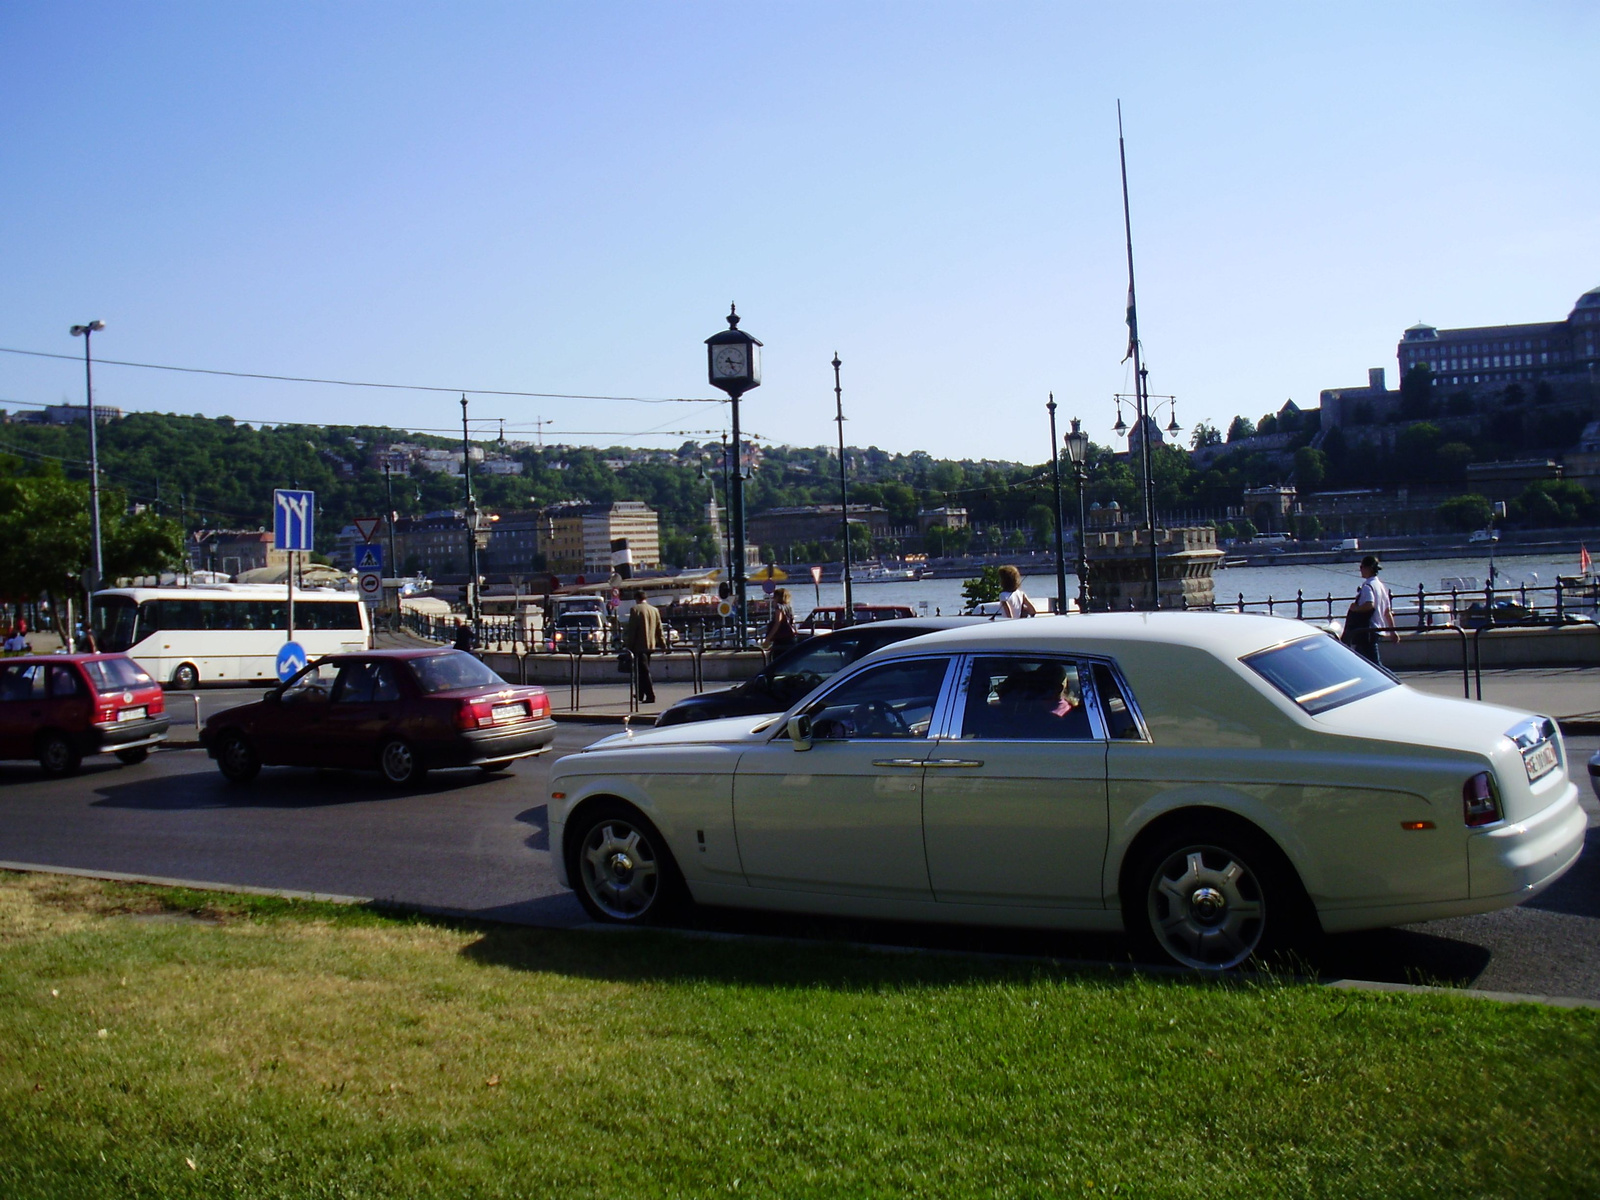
{"points": [[1205, 434], [1043, 524], [1267, 424], [985, 589], [1416, 393], [1417, 445], [1246, 530], [1554, 502], [1240, 428], [1310, 468], [1453, 458], [1470, 511], [1307, 526]]}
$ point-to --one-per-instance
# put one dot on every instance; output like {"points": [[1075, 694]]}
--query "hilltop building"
{"points": [[1500, 354]]}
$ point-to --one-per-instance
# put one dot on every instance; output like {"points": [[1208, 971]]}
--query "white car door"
{"points": [[1014, 799], [845, 816]]}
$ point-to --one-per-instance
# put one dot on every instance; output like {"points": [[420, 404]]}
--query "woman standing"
{"points": [[781, 631], [1014, 601]]}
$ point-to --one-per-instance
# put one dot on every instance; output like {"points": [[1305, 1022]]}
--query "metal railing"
{"points": [[1548, 604]]}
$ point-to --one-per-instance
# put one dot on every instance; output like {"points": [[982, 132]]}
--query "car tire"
{"points": [[495, 768], [237, 759], [621, 868], [133, 757], [186, 678], [400, 764], [58, 757], [1213, 896]]}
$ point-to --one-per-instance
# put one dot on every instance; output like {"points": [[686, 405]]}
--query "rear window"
{"points": [[446, 672], [116, 674], [1318, 673]]}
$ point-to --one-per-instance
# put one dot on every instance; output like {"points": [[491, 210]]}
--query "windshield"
{"points": [[1318, 673], [457, 669], [116, 674], [113, 622], [822, 658]]}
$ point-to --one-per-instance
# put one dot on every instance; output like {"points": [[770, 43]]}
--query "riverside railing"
{"points": [[1550, 604]]}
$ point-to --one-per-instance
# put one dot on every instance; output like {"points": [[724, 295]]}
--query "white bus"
{"points": [[224, 633]]}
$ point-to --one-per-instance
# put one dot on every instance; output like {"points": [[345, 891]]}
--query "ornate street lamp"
{"points": [[733, 363], [1078, 451]]}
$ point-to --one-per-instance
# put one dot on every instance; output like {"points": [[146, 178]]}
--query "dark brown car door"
{"points": [[366, 705], [22, 687]]}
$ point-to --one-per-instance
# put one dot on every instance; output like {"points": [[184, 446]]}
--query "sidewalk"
{"points": [[1569, 694]]}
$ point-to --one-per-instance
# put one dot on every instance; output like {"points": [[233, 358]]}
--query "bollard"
{"points": [[1299, 604]]}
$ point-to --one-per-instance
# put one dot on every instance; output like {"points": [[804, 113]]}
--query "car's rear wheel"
{"points": [[186, 678], [134, 756], [621, 868], [1213, 898], [57, 755], [237, 759], [399, 762]]}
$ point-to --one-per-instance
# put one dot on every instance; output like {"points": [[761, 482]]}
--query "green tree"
{"points": [[1043, 524], [1416, 393], [1205, 434], [1240, 428], [985, 589], [1470, 511], [1453, 458], [1310, 468]]}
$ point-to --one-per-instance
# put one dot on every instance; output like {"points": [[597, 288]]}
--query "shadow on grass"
{"points": [[275, 787]]}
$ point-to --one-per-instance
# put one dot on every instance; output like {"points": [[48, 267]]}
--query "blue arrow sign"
{"points": [[369, 557], [291, 660], [293, 515]]}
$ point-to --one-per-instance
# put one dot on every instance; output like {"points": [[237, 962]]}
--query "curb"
{"points": [[1079, 965]]}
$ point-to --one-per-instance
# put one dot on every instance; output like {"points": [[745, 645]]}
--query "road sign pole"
{"points": [[290, 638]]}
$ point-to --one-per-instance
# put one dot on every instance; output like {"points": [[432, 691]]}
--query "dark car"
{"points": [[800, 668], [59, 707], [401, 712]]}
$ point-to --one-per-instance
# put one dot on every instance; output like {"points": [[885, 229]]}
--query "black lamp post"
{"points": [[472, 521], [97, 564], [1061, 546], [844, 498], [1145, 406], [1078, 451], [733, 363]]}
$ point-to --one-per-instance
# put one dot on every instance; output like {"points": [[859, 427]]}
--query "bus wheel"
{"points": [[186, 678]]}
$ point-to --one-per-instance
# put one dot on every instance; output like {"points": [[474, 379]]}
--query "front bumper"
{"points": [[478, 746], [125, 735]]}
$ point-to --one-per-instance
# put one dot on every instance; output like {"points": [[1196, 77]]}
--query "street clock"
{"points": [[733, 358]]}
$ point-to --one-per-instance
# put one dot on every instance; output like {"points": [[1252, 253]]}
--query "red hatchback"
{"points": [[59, 707], [401, 712]]}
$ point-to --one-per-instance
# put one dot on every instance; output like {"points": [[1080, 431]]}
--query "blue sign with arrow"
{"points": [[291, 660], [369, 557], [293, 515]]}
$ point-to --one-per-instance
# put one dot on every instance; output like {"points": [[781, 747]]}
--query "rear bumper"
{"points": [[1518, 861], [127, 735], [479, 746]]}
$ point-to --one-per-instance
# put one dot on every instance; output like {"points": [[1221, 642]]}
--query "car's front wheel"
{"points": [[621, 867], [237, 759], [57, 755], [399, 763], [1213, 898]]}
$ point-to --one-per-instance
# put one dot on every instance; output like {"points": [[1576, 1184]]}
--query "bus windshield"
{"points": [[113, 623]]}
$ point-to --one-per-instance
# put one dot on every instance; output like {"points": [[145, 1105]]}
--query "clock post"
{"points": [[733, 363]]}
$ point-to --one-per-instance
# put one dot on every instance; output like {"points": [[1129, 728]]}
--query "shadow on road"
{"points": [[283, 787], [1577, 893], [539, 817]]}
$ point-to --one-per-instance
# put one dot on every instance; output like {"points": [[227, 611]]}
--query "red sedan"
{"points": [[401, 712], [59, 707]]}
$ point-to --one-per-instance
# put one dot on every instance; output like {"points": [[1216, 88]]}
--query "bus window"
{"points": [[114, 618]]}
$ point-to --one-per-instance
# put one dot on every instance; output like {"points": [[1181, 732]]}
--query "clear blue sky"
{"points": [[565, 197]]}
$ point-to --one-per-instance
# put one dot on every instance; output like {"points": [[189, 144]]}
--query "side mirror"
{"points": [[800, 731], [271, 694]]}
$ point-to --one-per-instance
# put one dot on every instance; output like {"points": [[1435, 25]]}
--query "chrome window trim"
{"points": [[1128, 698], [1099, 726], [860, 667]]}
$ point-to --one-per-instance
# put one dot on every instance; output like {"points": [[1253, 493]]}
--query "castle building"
{"points": [[1501, 354]]}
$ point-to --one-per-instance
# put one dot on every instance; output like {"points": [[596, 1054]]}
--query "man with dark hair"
{"points": [[642, 637], [1371, 617]]}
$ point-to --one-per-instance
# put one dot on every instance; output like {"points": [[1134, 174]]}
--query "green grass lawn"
{"points": [[164, 1043]]}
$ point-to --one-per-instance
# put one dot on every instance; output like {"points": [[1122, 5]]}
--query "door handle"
{"points": [[897, 762], [954, 762]]}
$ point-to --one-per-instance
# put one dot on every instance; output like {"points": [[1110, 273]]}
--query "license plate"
{"points": [[130, 714], [1539, 760], [509, 712]]}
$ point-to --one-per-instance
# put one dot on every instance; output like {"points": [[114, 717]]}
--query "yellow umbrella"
{"points": [[770, 573]]}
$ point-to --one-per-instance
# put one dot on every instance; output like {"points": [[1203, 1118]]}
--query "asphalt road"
{"points": [[477, 845]]}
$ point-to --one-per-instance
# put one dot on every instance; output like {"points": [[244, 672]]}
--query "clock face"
{"points": [[729, 362]]}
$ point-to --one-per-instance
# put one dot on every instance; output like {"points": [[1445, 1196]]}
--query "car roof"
{"points": [[404, 653], [100, 656], [1226, 635]]}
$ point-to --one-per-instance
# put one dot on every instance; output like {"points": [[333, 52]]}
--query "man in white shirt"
{"points": [[1371, 617]]}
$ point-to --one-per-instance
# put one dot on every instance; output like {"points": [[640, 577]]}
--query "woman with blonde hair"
{"points": [[781, 632], [1014, 601]]}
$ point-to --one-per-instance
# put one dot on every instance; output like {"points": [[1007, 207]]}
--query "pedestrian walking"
{"points": [[781, 631], [1014, 601], [643, 637], [1370, 620], [464, 639]]}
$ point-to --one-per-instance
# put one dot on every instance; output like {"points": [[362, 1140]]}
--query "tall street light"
{"points": [[472, 521], [844, 498], [733, 363], [97, 565], [1078, 452], [1061, 551]]}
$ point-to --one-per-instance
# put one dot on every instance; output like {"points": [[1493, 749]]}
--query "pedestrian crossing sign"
{"points": [[369, 557]]}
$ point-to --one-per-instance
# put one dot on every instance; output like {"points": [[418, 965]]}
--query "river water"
{"points": [[1255, 583]]}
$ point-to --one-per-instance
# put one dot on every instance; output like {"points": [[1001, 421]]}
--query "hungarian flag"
{"points": [[1133, 324], [1583, 560]]}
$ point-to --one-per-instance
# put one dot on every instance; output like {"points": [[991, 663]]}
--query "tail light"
{"points": [[1480, 805], [156, 703], [539, 706], [472, 714]]}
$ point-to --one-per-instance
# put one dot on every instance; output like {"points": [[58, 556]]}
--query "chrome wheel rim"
{"points": [[1206, 908], [186, 678], [620, 871], [398, 762]]}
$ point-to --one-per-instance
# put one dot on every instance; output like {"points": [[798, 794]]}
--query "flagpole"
{"points": [[1142, 420]]}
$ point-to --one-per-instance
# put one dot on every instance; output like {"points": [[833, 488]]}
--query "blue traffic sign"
{"points": [[291, 660], [293, 515], [369, 557]]}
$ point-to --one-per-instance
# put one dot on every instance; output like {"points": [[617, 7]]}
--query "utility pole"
{"points": [[1061, 545], [472, 521], [388, 489], [844, 497], [97, 566]]}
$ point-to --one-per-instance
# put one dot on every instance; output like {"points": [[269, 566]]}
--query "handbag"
{"points": [[625, 662], [1357, 629]]}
